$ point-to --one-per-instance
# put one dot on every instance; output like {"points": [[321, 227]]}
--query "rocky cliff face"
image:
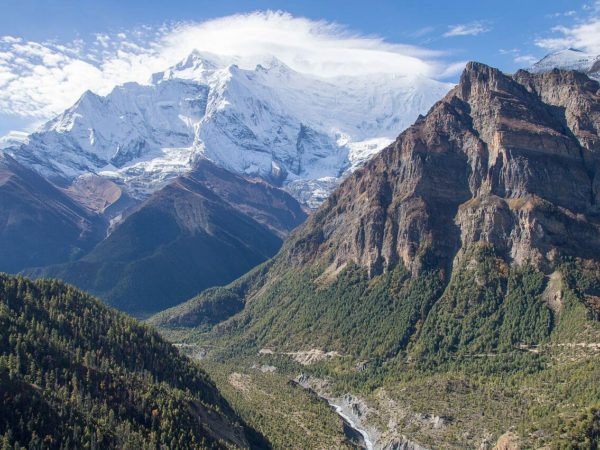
{"points": [[509, 161]]}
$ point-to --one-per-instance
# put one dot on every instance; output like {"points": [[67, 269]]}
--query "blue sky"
{"points": [[55, 49]]}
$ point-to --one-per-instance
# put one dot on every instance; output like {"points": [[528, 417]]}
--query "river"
{"points": [[368, 443]]}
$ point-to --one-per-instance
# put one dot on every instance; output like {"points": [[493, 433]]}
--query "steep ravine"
{"points": [[354, 413], [366, 441]]}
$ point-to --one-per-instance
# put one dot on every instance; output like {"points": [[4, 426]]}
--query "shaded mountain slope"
{"points": [[204, 229], [76, 374], [39, 224]]}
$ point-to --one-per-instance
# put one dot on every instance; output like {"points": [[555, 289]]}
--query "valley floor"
{"points": [[291, 402]]}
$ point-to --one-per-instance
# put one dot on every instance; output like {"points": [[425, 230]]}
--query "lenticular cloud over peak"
{"points": [[316, 47], [41, 79]]}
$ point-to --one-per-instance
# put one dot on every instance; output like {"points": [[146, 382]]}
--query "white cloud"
{"points": [[421, 32], [453, 69], [570, 13], [583, 34], [10, 39], [316, 47], [526, 60], [467, 29], [40, 80]]}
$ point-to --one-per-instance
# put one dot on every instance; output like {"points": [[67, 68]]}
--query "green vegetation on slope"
{"points": [[351, 314], [213, 305], [486, 308], [485, 351], [292, 417], [76, 374]]}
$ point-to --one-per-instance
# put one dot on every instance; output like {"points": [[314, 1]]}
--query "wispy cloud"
{"points": [[583, 36], [582, 33], [317, 47], [570, 13], [40, 79], [421, 32], [524, 60], [35, 78], [467, 29], [453, 69]]}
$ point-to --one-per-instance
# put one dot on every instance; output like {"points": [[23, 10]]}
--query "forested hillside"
{"points": [[76, 374]]}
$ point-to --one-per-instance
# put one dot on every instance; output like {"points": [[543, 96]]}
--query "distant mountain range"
{"points": [[95, 195], [206, 228], [293, 130]]}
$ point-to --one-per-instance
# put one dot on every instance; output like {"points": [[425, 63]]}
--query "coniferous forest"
{"points": [[76, 374]]}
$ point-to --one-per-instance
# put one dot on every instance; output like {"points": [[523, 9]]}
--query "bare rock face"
{"points": [[575, 99], [509, 161], [508, 441], [96, 193], [403, 444]]}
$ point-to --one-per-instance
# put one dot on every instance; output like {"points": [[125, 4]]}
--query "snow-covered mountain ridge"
{"points": [[291, 129], [569, 59]]}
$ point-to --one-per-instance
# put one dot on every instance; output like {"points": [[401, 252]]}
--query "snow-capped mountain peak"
{"points": [[289, 128], [197, 66], [568, 59]]}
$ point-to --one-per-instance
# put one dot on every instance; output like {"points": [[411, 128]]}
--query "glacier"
{"points": [[294, 130]]}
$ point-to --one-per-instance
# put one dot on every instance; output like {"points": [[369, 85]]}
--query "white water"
{"points": [[364, 434]]}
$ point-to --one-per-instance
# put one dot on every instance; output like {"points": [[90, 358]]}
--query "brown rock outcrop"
{"points": [[507, 160]]}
